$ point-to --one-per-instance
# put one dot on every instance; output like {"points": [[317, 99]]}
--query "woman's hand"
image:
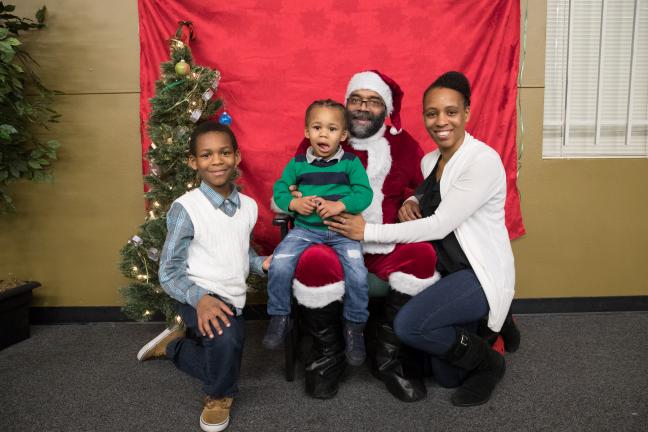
{"points": [[409, 211], [351, 226], [212, 310]]}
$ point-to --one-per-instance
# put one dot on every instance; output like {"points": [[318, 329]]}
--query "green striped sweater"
{"points": [[336, 180]]}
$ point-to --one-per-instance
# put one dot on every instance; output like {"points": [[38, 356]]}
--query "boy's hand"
{"points": [[409, 211], [304, 205], [211, 310], [266, 263], [294, 191], [327, 209]]}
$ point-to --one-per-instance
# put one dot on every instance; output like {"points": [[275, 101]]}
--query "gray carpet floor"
{"points": [[573, 372]]}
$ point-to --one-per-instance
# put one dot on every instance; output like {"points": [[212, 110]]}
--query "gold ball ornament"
{"points": [[182, 68]]}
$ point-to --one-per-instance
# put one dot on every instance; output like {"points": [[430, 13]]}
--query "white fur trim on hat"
{"points": [[371, 81], [408, 284], [318, 297]]}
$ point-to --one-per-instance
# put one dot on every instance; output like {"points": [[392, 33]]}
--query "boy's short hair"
{"points": [[455, 81], [327, 103], [210, 126]]}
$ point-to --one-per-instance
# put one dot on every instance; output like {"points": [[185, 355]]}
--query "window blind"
{"points": [[596, 79]]}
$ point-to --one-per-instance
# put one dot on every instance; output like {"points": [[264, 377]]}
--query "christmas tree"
{"points": [[183, 95]]}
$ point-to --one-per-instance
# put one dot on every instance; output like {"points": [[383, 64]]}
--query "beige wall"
{"points": [[585, 219], [67, 235]]}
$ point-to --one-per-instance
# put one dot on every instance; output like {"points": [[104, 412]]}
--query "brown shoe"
{"points": [[215, 415], [156, 348]]}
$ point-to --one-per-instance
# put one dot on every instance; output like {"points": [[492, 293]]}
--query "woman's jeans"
{"points": [[427, 322], [284, 262], [216, 362]]}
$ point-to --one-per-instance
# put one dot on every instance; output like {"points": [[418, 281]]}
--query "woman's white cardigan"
{"points": [[473, 192]]}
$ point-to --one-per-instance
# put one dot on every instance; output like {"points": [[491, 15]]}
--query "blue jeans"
{"points": [[427, 322], [216, 362], [284, 262]]}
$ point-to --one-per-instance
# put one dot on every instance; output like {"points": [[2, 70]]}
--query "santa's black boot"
{"points": [[326, 360], [486, 366], [398, 366]]}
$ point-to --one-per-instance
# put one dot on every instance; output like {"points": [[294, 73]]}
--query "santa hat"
{"points": [[386, 87]]}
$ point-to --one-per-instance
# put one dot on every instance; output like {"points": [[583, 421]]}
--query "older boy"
{"points": [[204, 265]]}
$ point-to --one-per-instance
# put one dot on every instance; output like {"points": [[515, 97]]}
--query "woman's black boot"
{"points": [[511, 334], [398, 366], [486, 366], [326, 361]]}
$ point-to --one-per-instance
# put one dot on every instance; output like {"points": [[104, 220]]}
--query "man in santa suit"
{"points": [[392, 160]]}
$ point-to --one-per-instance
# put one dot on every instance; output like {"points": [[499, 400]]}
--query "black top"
{"points": [[450, 257]]}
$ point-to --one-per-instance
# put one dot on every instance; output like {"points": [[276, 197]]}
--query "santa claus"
{"points": [[392, 160]]}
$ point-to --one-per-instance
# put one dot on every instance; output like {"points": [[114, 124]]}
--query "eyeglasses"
{"points": [[372, 103]]}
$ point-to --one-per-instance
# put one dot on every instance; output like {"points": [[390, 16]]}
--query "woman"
{"points": [[460, 208]]}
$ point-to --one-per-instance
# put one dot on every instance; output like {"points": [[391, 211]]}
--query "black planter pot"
{"points": [[14, 313]]}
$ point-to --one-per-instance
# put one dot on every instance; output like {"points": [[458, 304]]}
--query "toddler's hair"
{"points": [[210, 126], [455, 81], [327, 103]]}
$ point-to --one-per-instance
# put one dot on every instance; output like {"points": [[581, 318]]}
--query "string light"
{"points": [[136, 240], [153, 146], [208, 94], [135, 268], [156, 204], [153, 254], [152, 214], [147, 312], [178, 319], [195, 115]]}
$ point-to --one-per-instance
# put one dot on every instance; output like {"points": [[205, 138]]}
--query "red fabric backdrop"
{"points": [[276, 56]]}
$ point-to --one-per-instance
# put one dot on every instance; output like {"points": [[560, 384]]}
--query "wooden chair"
{"points": [[291, 351]]}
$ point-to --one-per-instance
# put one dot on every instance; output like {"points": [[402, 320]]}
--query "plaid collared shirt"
{"points": [[337, 156]]}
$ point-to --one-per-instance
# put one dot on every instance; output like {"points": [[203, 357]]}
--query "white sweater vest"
{"points": [[218, 258]]}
